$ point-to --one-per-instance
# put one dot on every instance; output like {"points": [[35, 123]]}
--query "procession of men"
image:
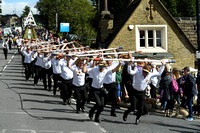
{"points": [[73, 71]]}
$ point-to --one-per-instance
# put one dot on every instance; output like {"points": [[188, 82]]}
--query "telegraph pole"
{"points": [[56, 17], [198, 31]]}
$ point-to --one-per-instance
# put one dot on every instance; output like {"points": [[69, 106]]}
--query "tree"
{"points": [[79, 13], [181, 8], [25, 11]]}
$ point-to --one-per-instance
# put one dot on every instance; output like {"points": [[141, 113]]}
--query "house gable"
{"points": [[152, 13]]}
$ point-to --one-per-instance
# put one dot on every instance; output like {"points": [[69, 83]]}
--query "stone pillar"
{"points": [[106, 26]]}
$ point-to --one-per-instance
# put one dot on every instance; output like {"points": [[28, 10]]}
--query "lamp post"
{"points": [[198, 31], [106, 5], [56, 17]]}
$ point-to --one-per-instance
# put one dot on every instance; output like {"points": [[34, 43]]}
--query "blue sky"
{"points": [[14, 1], [17, 6]]}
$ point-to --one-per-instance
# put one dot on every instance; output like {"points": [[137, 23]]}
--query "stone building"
{"points": [[147, 26]]}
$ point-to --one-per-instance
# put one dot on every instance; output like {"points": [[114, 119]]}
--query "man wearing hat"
{"points": [[141, 80], [189, 90], [98, 74], [111, 86], [56, 71], [27, 61]]}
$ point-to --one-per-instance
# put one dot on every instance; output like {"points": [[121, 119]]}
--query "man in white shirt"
{"points": [[37, 67], [5, 48], [27, 61], [154, 81], [98, 74], [111, 86], [142, 79], [78, 84], [67, 77], [56, 72], [46, 71]]}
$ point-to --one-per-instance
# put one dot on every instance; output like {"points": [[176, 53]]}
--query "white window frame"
{"points": [[163, 48]]}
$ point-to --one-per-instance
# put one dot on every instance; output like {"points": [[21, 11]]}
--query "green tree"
{"points": [[25, 11], [79, 13], [181, 8]]}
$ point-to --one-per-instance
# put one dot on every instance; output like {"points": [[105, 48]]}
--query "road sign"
{"points": [[64, 27]]}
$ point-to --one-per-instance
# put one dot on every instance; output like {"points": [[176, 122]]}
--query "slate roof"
{"points": [[120, 20], [188, 26]]}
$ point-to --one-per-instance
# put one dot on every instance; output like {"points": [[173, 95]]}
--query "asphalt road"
{"points": [[25, 108]]}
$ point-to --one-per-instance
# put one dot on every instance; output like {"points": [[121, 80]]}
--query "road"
{"points": [[25, 108]]}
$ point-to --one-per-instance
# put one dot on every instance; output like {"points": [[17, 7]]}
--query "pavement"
{"points": [[25, 108]]}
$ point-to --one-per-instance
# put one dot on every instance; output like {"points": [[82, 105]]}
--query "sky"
{"points": [[17, 6]]}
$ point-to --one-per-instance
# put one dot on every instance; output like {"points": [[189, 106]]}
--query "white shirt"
{"points": [[39, 59], [66, 73], [56, 66], [140, 82], [98, 77], [111, 78], [27, 56], [5, 45], [78, 76], [18, 42], [47, 62], [154, 80], [89, 66], [72, 61]]}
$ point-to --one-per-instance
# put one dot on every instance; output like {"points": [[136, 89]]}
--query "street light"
{"points": [[56, 17], [198, 31]]}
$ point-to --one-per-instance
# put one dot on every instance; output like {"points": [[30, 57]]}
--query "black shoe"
{"points": [[78, 111], [137, 122], [97, 120], [64, 102], [83, 110], [69, 102], [113, 114], [90, 115], [125, 115]]}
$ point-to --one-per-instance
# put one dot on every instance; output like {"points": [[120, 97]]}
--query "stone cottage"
{"points": [[147, 26]]}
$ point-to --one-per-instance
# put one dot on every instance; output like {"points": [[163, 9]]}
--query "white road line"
{"points": [[8, 62], [4, 68], [46, 131], [24, 130], [77, 132]]}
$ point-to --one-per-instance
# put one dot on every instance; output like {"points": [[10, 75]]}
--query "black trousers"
{"points": [[99, 99], [80, 94], [136, 98], [89, 89], [56, 78], [27, 70], [66, 89], [112, 95], [5, 52], [46, 73], [153, 91], [37, 71]]}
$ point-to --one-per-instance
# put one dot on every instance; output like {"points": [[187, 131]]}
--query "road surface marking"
{"points": [[24, 130]]}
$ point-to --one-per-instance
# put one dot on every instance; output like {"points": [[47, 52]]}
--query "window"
{"points": [[142, 38], [151, 38]]}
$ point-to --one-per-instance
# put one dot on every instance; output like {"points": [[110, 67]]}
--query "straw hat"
{"points": [[54, 48]]}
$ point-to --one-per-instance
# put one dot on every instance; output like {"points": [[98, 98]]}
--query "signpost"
{"points": [[64, 27]]}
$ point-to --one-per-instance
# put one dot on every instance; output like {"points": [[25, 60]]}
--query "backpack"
{"points": [[175, 86]]}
